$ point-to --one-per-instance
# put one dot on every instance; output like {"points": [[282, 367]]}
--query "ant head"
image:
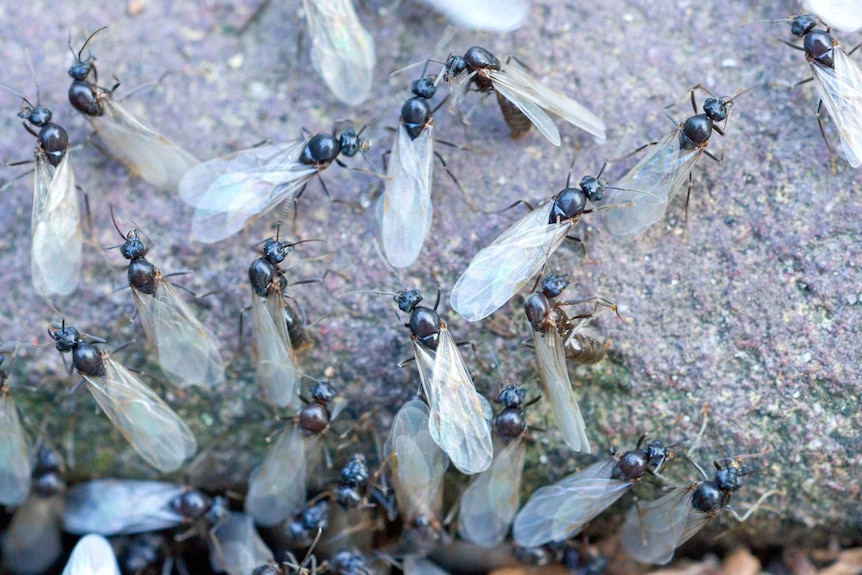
{"points": [[407, 300], [512, 395], [65, 338], [424, 87], [455, 64], [323, 392], [81, 68], [802, 24], [274, 251], [554, 284]]}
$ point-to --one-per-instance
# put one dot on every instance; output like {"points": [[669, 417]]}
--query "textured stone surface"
{"points": [[752, 308]]}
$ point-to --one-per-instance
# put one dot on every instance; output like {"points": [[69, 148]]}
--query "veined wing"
{"points": [[844, 15], [120, 506], [491, 501], [148, 424], [14, 455], [559, 511], [186, 350], [841, 92], [418, 464], [231, 192], [499, 271], [404, 209], [520, 87], [425, 366], [278, 487], [557, 387], [460, 418], [148, 154], [92, 555], [236, 548], [342, 51], [653, 531], [56, 242], [276, 371], [483, 14], [649, 186]]}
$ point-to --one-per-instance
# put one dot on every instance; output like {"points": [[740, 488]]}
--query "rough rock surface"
{"points": [[752, 307]]}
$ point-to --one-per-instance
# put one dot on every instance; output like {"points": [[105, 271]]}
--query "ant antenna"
{"points": [[87, 41]]}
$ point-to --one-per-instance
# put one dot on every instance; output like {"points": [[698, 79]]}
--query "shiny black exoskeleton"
{"points": [[351, 490], [818, 44], [323, 149], [314, 417], [86, 357], [424, 322], [539, 306], [263, 271], [303, 527], [191, 504], [474, 59], [416, 112], [510, 422], [86, 96], [52, 140], [568, 204], [697, 129], [141, 273], [632, 465]]}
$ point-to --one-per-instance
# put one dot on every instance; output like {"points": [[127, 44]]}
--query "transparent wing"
{"points": [[418, 464], [236, 548], [276, 372], [845, 15], [519, 87], [557, 387], [425, 365], [120, 506], [484, 14], [342, 51], [187, 352], [31, 543], [499, 271], [532, 111], [653, 531], [490, 502], [404, 209], [460, 418], [148, 424], [559, 511], [92, 555], [413, 565], [231, 192], [14, 454], [146, 153], [277, 489], [649, 186], [841, 92], [56, 240]]}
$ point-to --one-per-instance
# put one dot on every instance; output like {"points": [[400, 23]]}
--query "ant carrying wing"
{"points": [[148, 424], [231, 192], [648, 188], [122, 506], [652, 531], [342, 51], [404, 209], [145, 152], [500, 270], [187, 351], [838, 81], [92, 555], [488, 505], [560, 511], [517, 88]]}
